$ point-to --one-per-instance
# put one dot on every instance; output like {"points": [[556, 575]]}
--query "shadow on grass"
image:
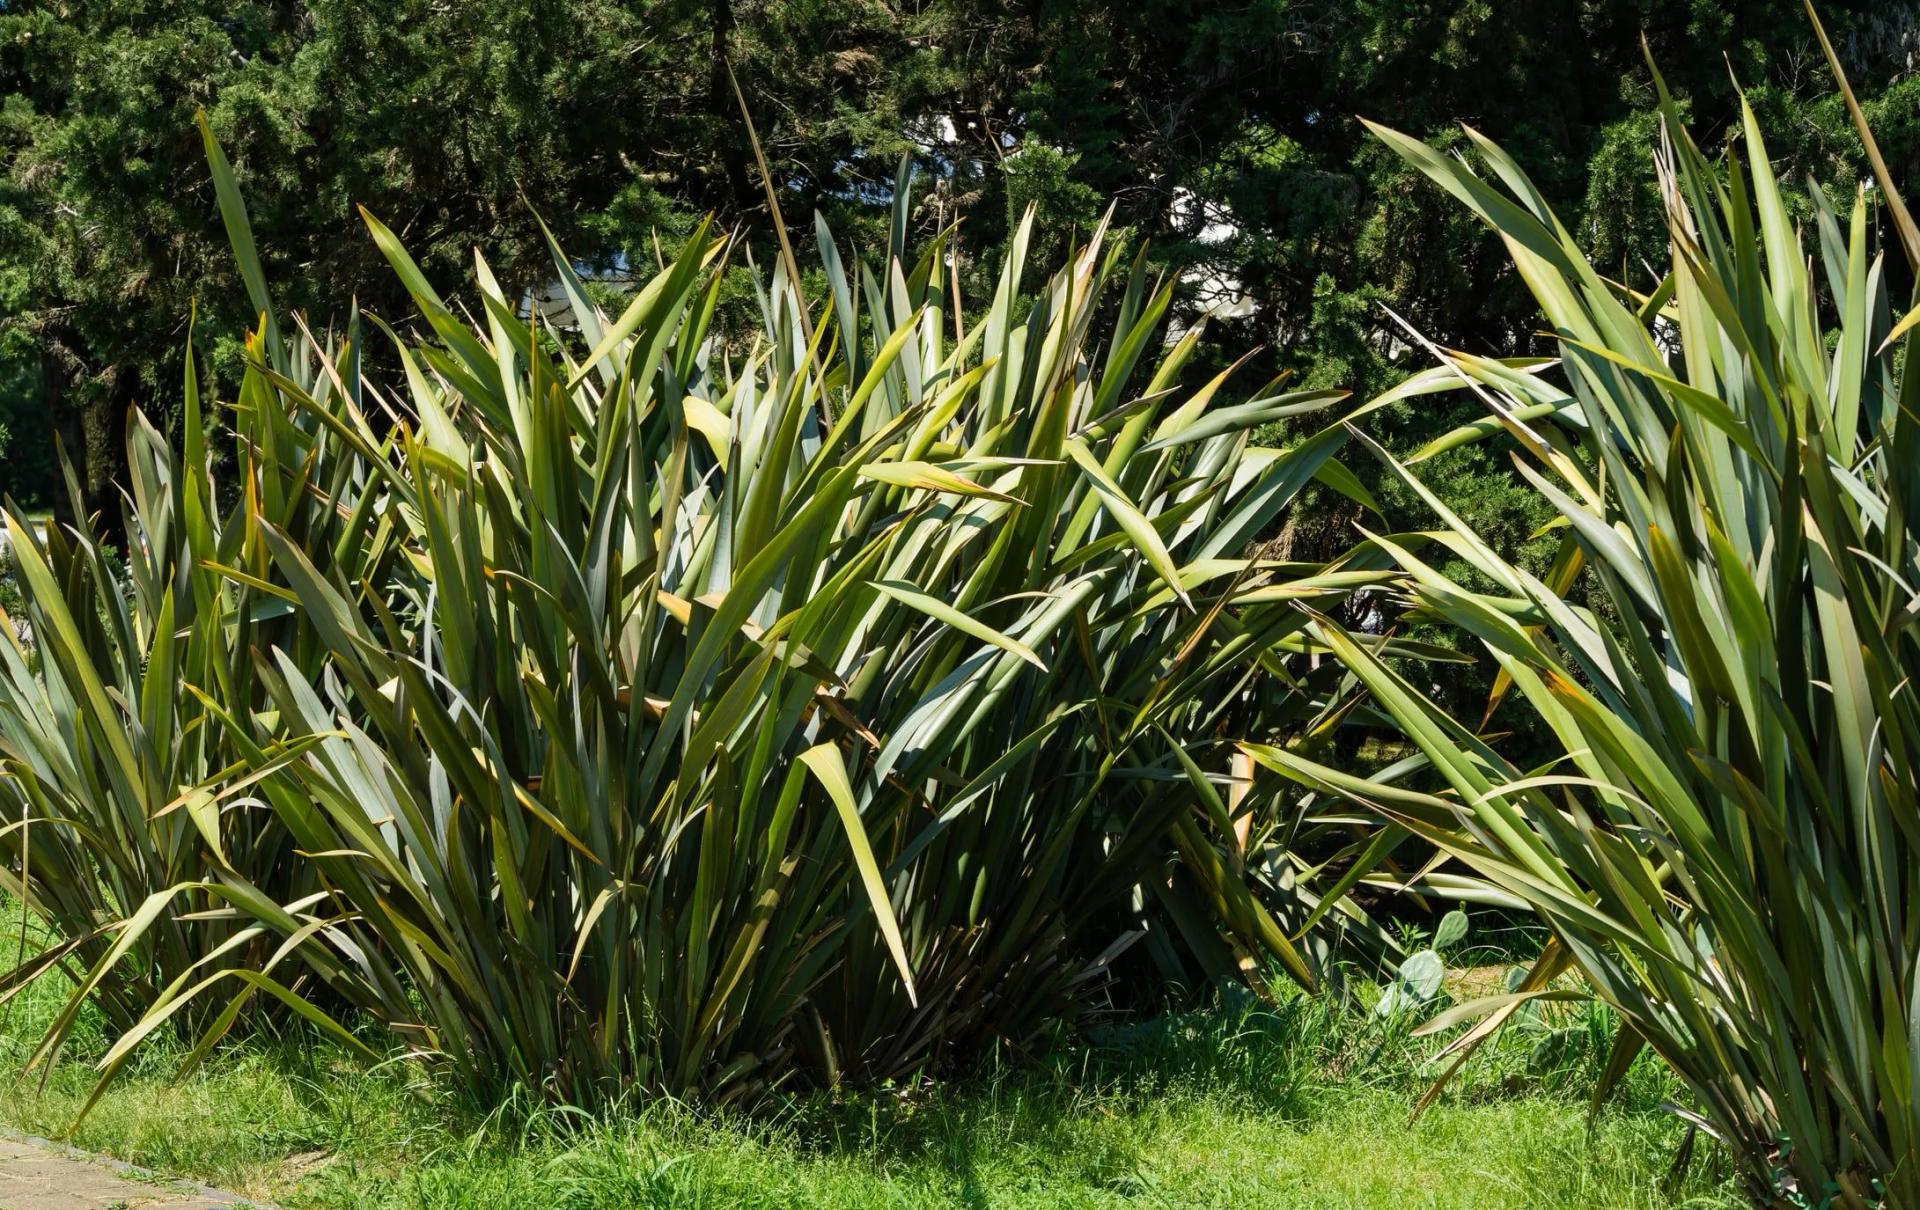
{"points": [[1295, 1102]]}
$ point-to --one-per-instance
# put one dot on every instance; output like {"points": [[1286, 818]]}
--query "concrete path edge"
{"points": [[160, 1189]]}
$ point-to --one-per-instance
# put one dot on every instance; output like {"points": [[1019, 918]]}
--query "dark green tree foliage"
{"points": [[98, 237], [455, 123], [1254, 106]]}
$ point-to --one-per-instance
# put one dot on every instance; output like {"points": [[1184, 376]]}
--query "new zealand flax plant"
{"points": [[120, 790], [837, 705], [1726, 652]]}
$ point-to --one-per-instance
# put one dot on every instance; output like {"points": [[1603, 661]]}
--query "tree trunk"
{"points": [[91, 438], [735, 153], [63, 428], [106, 473]]}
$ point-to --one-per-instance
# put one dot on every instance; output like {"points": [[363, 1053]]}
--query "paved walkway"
{"points": [[38, 1175]]}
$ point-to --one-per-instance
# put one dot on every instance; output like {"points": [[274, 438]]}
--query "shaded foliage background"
{"points": [[1225, 133]]}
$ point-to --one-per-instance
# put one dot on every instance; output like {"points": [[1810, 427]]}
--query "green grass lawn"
{"points": [[1303, 1104]]}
